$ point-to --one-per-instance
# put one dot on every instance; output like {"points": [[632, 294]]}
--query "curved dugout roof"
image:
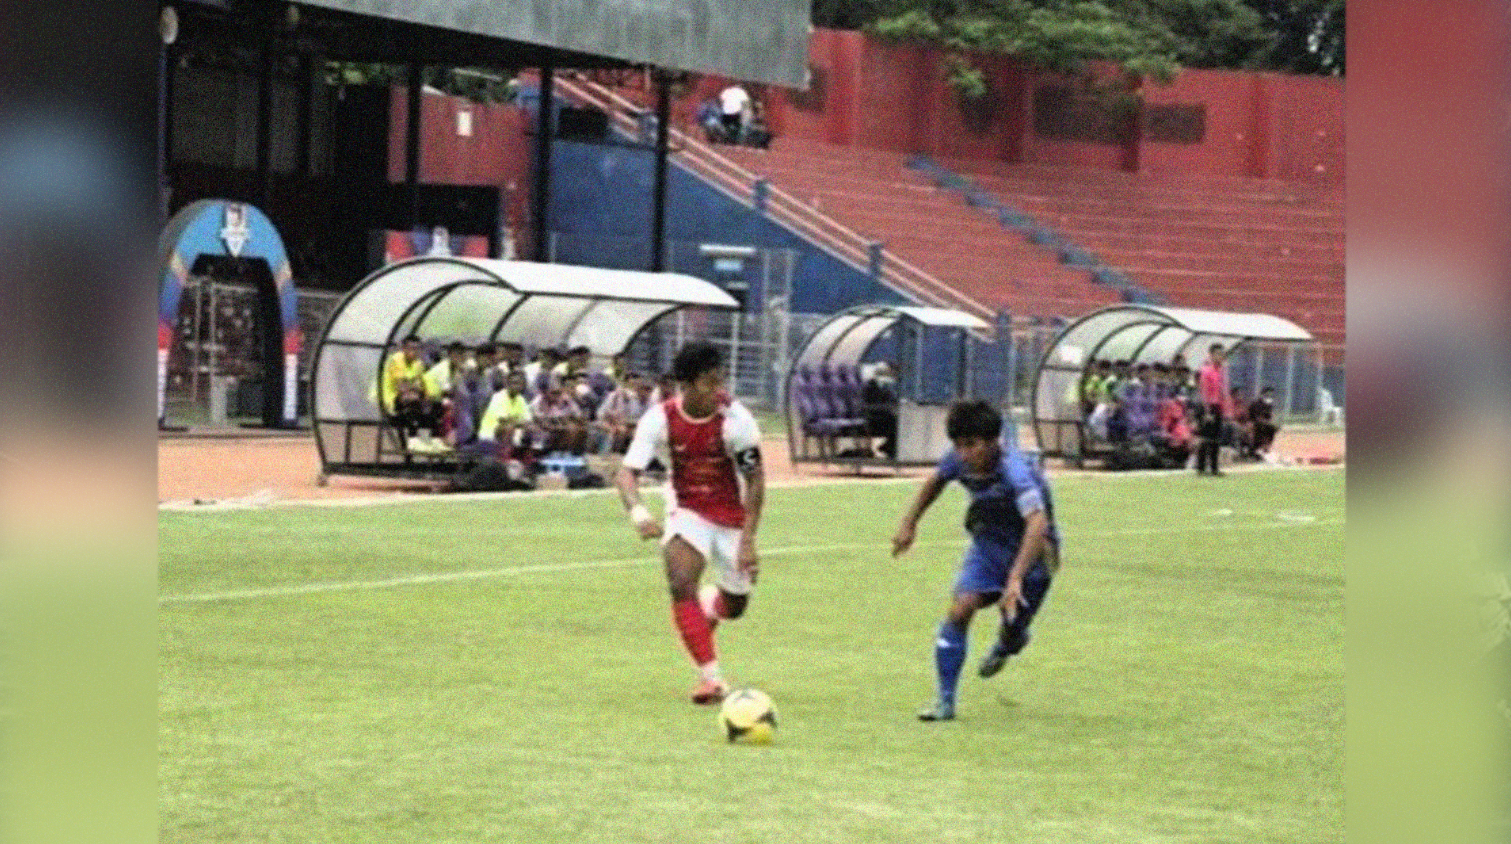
{"points": [[847, 336], [481, 299], [1138, 334]]}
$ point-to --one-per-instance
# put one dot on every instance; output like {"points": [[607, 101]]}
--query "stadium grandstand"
{"points": [[444, 246]]}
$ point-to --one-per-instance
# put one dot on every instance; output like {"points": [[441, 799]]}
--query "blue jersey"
{"points": [[1001, 500]]}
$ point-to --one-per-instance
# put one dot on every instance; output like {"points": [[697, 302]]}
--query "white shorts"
{"points": [[719, 545]]}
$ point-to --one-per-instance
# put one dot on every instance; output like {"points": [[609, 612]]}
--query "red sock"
{"points": [[697, 634]]}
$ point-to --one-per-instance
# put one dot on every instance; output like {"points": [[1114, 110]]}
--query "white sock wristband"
{"points": [[639, 515]]}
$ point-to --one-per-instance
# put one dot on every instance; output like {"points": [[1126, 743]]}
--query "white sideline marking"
{"points": [[489, 574], [266, 498]]}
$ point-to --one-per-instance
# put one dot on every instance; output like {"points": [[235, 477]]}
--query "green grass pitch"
{"points": [[507, 670]]}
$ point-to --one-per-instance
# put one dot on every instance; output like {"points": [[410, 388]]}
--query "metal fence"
{"points": [[215, 348], [999, 368]]}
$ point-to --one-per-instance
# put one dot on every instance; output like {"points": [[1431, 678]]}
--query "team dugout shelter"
{"points": [[1145, 334], [828, 419], [473, 301]]}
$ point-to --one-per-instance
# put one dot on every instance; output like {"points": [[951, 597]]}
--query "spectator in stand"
{"points": [[1118, 430], [405, 399], [757, 131], [1108, 386], [734, 103], [619, 369], [1262, 418], [537, 363], [1121, 373], [602, 384], [1212, 390], [1096, 423], [439, 381], [439, 377], [511, 358], [560, 420], [402, 369], [1182, 379], [1149, 396], [508, 421], [666, 387], [646, 124], [1236, 430], [1175, 435], [582, 392], [465, 402], [622, 408], [574, 362], [490, 373], [548, 368], [1091, 389], [879, 402], [1160, 378], [710, 118], [1134, 394]]}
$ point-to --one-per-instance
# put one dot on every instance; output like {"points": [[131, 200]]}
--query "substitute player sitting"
{"points": [[1014, 548], [717, 486]]}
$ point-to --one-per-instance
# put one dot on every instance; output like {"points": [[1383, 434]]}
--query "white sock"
{"points": [[709, 672], [708, 594]]}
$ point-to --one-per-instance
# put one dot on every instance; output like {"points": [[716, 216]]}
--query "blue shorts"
{"points": [[985, 569]]}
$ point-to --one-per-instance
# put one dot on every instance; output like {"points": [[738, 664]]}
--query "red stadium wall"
{"points": [[1306, 124], [880, 95], [1236, 137], [497, 152]]}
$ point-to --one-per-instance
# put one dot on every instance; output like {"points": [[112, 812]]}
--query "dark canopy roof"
{"points": [[755, 40]]}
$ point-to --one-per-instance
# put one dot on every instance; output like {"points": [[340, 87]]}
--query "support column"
{"points": [[302, 162], [412, 144], [165, 70], [265, 119], [545, 130], [1290, 377], [658, 198]]}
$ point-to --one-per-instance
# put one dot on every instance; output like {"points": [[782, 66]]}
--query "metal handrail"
{"points": [[740, 184]]}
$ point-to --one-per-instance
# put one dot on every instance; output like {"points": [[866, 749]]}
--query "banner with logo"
{"points": [[436, 240]]}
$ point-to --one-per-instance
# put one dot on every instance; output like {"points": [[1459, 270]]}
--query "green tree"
{"points": [[1309, 35], [481, 86], [1064, 37], [1146, 38]]}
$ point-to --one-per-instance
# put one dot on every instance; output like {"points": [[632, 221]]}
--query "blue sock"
{"points": [[949, 655]]}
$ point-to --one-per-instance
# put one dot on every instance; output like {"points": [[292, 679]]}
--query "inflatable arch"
{"points": [[221, 228]]}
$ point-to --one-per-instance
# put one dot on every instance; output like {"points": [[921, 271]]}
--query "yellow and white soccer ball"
{"points": [[748, 716]]}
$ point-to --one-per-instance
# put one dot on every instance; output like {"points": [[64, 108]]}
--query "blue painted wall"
{"points": [[601, 214]]}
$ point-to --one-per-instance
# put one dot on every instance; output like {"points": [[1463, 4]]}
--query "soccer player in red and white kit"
{"points": [[713, 509]]}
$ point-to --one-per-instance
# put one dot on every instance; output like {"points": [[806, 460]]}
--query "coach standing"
{"points": [[1212, 386]]}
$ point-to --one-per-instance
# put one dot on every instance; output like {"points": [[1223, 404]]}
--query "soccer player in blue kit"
{"points": [[1014, 550]]}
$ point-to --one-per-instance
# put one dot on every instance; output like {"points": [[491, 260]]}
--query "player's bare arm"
{"points": [[903, 539], [627, 481], [1035, 539], [749, 464]]}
